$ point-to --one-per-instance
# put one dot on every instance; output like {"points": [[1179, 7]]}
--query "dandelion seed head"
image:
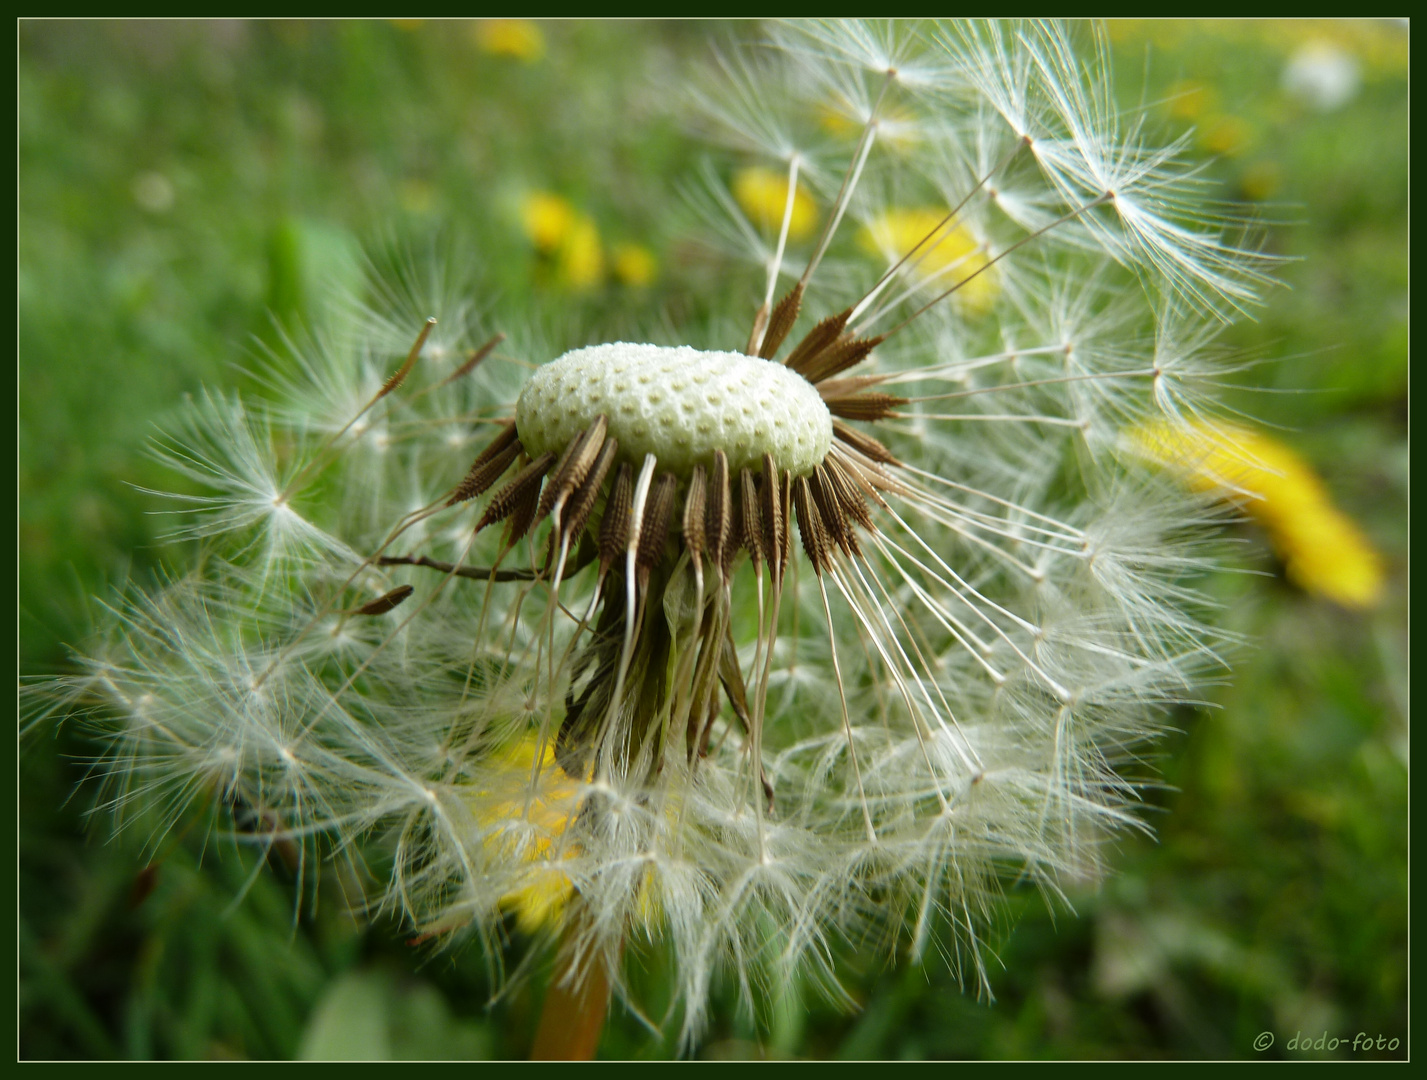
{"points": [[818, 631]]}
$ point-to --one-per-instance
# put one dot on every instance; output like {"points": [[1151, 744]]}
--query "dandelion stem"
{"points": [[576, 1003]]}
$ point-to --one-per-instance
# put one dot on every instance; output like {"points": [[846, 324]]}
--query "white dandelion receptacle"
{"points": [[680, 404], [826, 633]]}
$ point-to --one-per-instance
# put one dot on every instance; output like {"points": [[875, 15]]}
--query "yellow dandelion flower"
{"points": [[1190, 99], [763, 195], [545, 888], [547, 219], [634, 264], [558, 230], [1261, 180], [1228, 136], [1322, 550], [579, 263], [519, 38], [898, 230], [898, 128]]}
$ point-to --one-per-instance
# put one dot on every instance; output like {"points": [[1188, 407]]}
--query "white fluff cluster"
{"points": [[949, 707]]}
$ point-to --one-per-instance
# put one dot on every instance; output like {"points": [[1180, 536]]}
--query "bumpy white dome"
{"points": [[679, 404]]}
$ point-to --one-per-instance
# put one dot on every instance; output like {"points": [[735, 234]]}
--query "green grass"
{"points": [[188, 190]]}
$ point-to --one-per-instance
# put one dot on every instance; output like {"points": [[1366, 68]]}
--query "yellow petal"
{"points": [[1322, 550], [541, 902], [502, 797]]}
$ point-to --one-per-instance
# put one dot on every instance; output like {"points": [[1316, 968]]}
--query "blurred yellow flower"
{"points": [[1261, 180], [951, 256], [763, 195], [837, 122], [898, 128], [1322, 550], [557, 229], [1190, 98], [547, 218], [634, 264], [519, 38], [1226, 135], [546, 888], [579, 264]]}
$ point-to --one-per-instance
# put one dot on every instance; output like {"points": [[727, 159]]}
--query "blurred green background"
{"points": [[187, 191]]}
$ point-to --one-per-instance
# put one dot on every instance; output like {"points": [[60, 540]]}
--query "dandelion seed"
{"points": [[582, 693]]}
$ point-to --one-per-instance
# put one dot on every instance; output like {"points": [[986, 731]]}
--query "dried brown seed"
{"points": [[505, 501], [844, 353], [866, 407], [772, 508], [573, 466], [480, 478], [695, 506], [522, 515], [476, 573], [864, 444], [654, 527], [484, 472], [842, 489], [731, 676], [561, 464], [750, 523], [785, 314], [869, 477], [810, 526], [718, 521], [818, 338], [579, 508], [834, 517], [760, 323], [833, 389], [399, 376], [384, 603], [476, 356], [614, 530]]}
